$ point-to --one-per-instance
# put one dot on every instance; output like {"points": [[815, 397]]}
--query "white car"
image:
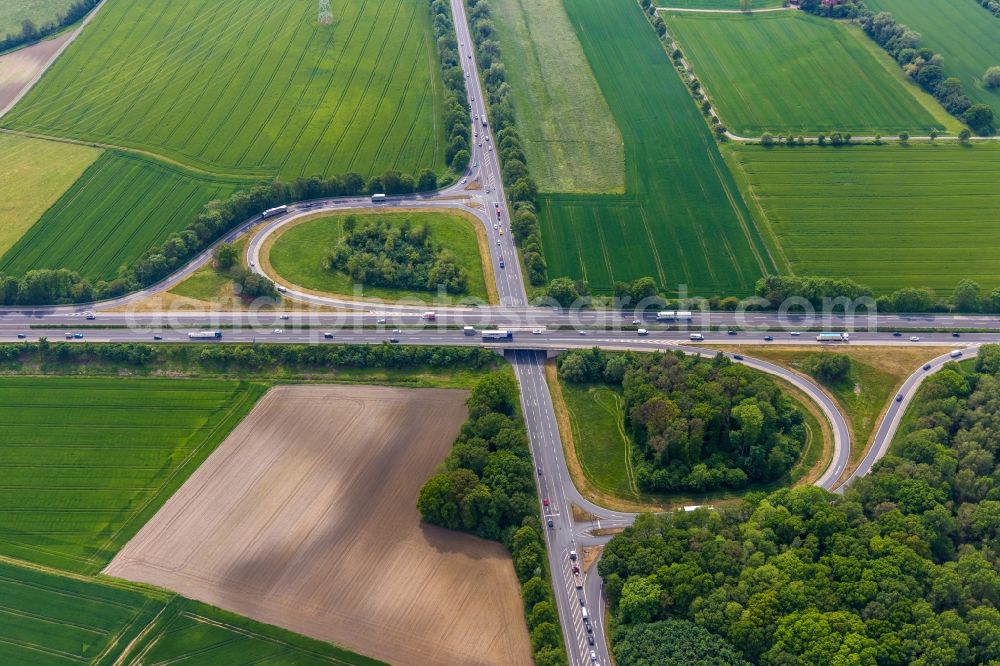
{"points": [[494, 227], [796, 333], [475, 165], [251, 263], [583, 332], [593, 656], [498, 241], [396, 330], [278, 330], [464, 181], [914, 338], [380, 321], [536, 331], [490, 148]]}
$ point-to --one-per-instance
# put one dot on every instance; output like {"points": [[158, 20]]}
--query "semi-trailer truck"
{"points": [[833, 337], [674, 315], [205, 335]]}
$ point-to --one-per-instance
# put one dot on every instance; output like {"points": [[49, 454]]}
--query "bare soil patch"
{"points": [[305, 517], [19, 68]]}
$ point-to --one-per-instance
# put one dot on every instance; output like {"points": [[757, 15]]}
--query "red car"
{"points": [[545, 502]]}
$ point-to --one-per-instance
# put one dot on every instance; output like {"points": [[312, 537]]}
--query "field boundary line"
{"points": [[55, 56]]}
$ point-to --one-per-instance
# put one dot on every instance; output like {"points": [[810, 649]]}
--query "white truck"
{"points": [[469, 330], [205, 335]]}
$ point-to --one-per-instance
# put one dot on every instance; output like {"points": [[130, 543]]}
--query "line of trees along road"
{"points": [[698, 425], [31, 32], [486, 487], [903, 569]]}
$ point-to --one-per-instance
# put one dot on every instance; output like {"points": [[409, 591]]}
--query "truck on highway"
{"points": [[205, 335], [833, 337], [674, 315], [429, 316], [469, 330], [378, 198], [697, 336], [277, 210], [501, 334]]}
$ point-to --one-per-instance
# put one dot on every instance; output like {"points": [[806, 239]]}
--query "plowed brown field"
{"points": [[305, 517]]}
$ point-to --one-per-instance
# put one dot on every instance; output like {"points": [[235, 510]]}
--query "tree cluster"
{"points": [[486, 487], [31, 33], [967, 296], [828, 368], [904, 568], [246, 357], [992, 6], [922, 64], [521, 188], [456, 105], [400, 256], [671, 643], [698, 425]]}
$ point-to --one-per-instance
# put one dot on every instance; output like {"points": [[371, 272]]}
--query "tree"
{"points": [[991, 78], [564, 291], [966, 296], [226, 256], [766, 139], [904, 137], [980, 118], [964, 135], [427, 181], [640, 600]]}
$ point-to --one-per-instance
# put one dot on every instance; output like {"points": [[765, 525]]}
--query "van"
{"points": [[586, 616], [643, 331], [697, 336], [956, 353]]}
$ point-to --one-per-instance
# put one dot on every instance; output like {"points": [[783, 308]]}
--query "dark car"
{"points": [[157, 337], [730, 332], [394, 340], [539, 470], [896, 334], [899, 398], [21, 336], [927, 367], [738, 357], [551, 524], [956, 335], [327, 336], [768, 338], [590, 639]]}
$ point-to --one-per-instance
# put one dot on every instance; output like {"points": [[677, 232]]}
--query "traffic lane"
{"points": [[894, 414]]}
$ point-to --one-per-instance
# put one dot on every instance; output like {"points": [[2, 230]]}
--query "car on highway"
{"points": [[583, 332], [730, 332], [927, 366], [590, 639], [278, 330], [394, 340], [593, 656], [896, 334], [796, 333], [475, 164], [956, 353], [501, 262], [480, 144], [636, 322], [914, 338], [380, 321], [501, 231], [327, 336], [738, 357], [490, 148], [536, 331], [550, 523], [284, 316], [899, 398], [496, 204], [157, 337], [956, 335], [498, 242], [78, 336], [464, 181], [90, 316], [495, 226], [768, 338], [396, 330], [251, 264], [642, 332], [539, 470], [545, 501], [21, 336], [572, 555]]}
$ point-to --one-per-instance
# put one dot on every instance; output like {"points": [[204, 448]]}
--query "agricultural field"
{"points": [[33, 175], [682, 219], [717, 4], [567, 131], [86, 461], [761, 73], [252, 88], [318, 475], [50, 618], [18, 68], [881, 215], [120, 206], [966, 35], [13, 13], [299, 253]]}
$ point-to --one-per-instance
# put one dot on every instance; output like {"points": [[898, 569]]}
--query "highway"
{"points": [[539, 331]]}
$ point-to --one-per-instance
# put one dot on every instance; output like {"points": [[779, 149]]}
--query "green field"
{"points": [[886, 216], [47, 617], [784, 72], [121, 205], [86, 461], [251, 86], [965, 34], [567, 131], [717, 4], [33, 175], [13, 13], [682, 218], [602, 445], [299, 254]]}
